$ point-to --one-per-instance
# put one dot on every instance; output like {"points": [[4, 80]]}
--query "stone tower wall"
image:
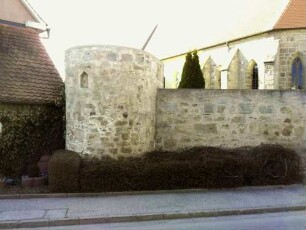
{"points": [[111, 100]]}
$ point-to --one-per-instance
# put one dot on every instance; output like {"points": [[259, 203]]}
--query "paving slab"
{"points": [[22, 215], [56, 213]]}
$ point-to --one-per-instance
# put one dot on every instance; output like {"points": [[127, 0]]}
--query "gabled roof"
{"points": [[294, 16], [27, 75]]}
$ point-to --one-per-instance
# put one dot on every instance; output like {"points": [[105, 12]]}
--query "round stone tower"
{"points": [[111, 100]]}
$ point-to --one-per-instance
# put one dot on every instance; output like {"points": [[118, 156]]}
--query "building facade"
{"points": [[270, 59], [31, 123]]}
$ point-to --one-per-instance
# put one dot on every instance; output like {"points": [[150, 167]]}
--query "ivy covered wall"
{"points": [[27, 132]]}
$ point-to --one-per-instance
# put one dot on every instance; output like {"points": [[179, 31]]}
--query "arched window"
{"points": [[297, 74], [84, 80], [255, 77]]}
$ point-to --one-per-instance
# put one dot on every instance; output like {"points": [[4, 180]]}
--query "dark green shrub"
{"points": [[33, 171], [199, 167], [64, 169], [192, 76]]}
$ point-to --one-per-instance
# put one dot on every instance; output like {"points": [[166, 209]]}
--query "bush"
{"points": [[33, 171], [64, 167], [199, 167]]}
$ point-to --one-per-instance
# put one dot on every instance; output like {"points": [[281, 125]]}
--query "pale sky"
{"points": [[182, 24]]}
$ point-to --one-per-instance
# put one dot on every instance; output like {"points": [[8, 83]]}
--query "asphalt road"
{"points": [[271, 221]]}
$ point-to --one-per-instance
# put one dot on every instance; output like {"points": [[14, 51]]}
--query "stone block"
{"points": [[266, 109], [245, 108], [125, 136], [208, 108], [206, 128], [112, 56], [239, 119], [170, 143], [126, 150], [287, 131]]}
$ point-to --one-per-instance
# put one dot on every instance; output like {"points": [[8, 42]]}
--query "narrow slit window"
{"points": [[84, 80]]}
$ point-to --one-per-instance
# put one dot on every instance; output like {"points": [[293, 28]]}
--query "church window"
{"points": [[255, 77], [297, 74]]}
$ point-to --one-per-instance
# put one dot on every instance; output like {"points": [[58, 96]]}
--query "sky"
{"points": [[183, 25]]}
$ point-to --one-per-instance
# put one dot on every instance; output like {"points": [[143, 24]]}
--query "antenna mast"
{"points": [[149, 38]]}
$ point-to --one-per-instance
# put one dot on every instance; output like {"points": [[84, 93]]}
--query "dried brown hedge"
{"points": [[199, 167], [64, 168]]}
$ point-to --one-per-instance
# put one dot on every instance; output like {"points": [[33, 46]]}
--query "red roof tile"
{"points": [[27, 74], [294, 16]]}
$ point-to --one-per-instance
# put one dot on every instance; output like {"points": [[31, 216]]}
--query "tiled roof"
{"points": [[294, 16], [27, 75]]}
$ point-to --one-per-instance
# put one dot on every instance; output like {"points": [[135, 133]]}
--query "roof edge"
{"points": [[226, 42], [282, 15], [35, 15], [10, 23], [294, 15], [27, 103], [232, 40]]}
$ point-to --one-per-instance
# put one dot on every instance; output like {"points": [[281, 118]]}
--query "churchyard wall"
{"points": [[230, 118]]}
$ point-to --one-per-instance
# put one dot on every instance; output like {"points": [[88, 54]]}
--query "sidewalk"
{"points": [[68, 209]]}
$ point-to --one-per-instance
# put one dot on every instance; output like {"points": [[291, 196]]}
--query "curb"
{"points": [[142, 217], [128, 193]]}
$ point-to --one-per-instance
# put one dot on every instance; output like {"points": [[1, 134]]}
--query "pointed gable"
{"points": [[294, 16]]}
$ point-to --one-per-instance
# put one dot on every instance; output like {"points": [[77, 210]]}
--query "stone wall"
{"points": [[111, 107], [111, 100], [292, 45], [230, 118]]}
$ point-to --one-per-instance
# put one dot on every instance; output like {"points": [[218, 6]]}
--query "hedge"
{"points": [[199, 167]]}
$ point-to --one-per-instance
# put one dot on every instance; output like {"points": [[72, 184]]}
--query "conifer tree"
{"points": [[186, 76], [192, 76]]}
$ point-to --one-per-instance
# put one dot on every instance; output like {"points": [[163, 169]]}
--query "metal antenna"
{"points": [[149, 38]]}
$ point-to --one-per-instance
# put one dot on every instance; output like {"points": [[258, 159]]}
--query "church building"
{"points": [[273, 57]]}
